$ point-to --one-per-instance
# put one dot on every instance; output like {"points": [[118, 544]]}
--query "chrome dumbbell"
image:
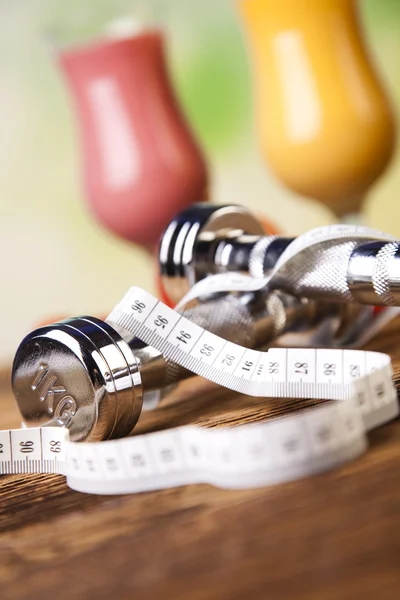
{"points": [[85, 375], [205, 240]]}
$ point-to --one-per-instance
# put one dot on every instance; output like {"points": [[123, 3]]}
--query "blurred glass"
{"points": [[326, 126], [141, 164]]}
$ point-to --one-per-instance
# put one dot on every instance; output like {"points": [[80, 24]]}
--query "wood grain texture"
{"points": [[332, 536]]}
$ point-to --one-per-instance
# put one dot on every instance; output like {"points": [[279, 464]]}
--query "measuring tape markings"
{"points": [[35, 450], [270, 452], [248, 455], [274, 451], [279, 372]]}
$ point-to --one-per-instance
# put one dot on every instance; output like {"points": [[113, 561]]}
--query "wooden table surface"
{"points": [[335, 535]]}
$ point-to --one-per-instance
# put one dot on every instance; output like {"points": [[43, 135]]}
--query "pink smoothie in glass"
{"points": [[141, 163]]}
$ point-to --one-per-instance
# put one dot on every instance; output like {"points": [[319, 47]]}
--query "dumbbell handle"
{"points": [[372, 271], [201, 242], [366, 273]]}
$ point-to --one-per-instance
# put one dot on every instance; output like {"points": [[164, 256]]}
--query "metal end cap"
{"points": [[78, 374], [178, 251]]}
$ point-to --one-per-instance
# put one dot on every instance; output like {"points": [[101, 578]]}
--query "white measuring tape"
{"points": [[269, 452]]}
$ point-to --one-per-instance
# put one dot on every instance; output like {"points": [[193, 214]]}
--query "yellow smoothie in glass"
{"points": [[325, 123]]}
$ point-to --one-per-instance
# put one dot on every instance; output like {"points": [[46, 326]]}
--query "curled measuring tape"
{"points": [[314, 258], [270, 452]]}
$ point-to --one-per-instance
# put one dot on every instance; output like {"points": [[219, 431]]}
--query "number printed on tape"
{"points": [[262, 453]]}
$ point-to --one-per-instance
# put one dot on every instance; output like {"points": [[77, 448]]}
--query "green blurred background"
{"points": [[54, 259]]}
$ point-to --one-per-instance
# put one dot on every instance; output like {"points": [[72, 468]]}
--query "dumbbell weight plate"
{"points": [[179, 251]]}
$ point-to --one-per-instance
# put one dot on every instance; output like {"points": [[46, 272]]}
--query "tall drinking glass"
{"points": [[326, 127], [141, 163]]}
